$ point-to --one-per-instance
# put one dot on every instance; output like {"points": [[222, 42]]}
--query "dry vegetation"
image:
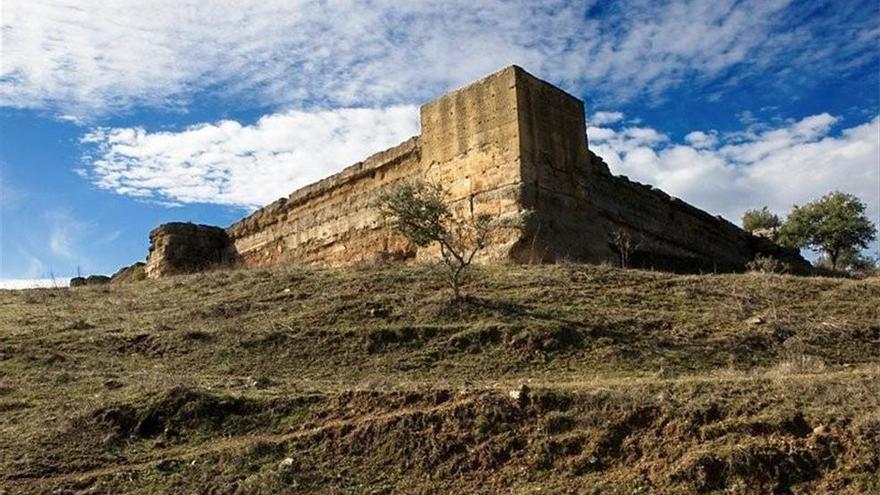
{"points": [[367, 381]]}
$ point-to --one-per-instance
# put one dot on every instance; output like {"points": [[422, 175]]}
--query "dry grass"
{"points": [[370, 382]]}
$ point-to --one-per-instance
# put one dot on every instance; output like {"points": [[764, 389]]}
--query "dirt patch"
{"points": [[761, 466], [476, 339], [148, 344], [543, 340], [225, 310], [182, 412], [390, 338]]}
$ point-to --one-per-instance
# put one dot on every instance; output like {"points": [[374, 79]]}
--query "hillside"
{"points": [[367, 381]]}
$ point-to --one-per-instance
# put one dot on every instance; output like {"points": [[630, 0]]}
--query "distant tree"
{"points": [[419, 212], [624, 244], [834, 224], [755, 219], [851, 260]]}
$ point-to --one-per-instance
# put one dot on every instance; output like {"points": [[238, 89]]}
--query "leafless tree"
{"points": [[624, 244]]}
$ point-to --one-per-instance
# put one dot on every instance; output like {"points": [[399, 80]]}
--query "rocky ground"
{"points": [[550, 379]]}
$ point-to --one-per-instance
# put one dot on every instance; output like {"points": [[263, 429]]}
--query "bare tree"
{"points": [[624, 244], [419, 212]]}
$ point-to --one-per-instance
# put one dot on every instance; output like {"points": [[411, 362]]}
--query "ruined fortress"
{"points": [[504, 145]]}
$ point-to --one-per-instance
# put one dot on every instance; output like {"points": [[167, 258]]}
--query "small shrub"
{"points": [[766, 264], [138, 273], [420, 212], [624, 245]]}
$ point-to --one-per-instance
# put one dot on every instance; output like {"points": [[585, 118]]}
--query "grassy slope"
{"points": [[366, 381]]}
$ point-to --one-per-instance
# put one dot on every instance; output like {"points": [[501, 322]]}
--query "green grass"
{"points": [[370, 381]]}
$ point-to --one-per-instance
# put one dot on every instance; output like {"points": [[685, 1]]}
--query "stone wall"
{"points": [[470, 146], [333, 221], [578, 204], [467, 144], [505, 145]]}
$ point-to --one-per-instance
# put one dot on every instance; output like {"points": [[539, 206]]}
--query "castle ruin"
{"points": [[504, 145]]}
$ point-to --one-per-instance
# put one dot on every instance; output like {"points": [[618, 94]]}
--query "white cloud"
{"points": [[81, 59], [752, 146], [243, 165], [700, 139], [603, 118], [626, 139], [65, 232], [779, 168]]}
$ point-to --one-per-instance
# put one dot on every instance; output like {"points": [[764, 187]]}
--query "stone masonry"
{"points": [[505, 145]]}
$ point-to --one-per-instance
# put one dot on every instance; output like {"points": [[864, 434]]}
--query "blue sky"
{"points": [[117, 117]]}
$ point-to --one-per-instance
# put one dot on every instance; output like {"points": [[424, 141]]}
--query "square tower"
{"points": [[507, 144]]}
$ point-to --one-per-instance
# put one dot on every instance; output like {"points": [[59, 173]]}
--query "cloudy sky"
{"points": [[118, 115]]}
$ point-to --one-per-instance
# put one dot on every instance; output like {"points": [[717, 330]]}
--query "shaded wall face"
{"points": [[555, 170], [579, 206], [177, 248], [666, 232]]}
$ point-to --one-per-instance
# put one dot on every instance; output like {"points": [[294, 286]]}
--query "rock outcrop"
{"points": [[90, 280], [131, 273], [177, 248]]}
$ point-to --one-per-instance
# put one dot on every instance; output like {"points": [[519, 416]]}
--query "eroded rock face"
{"points": [[177, 248]]}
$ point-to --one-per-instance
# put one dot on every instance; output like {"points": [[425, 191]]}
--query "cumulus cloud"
{"points": [[700, 139], [242, 165], [626, 139], [250, 165], [602, 118], [777, 167], [80, 59]]}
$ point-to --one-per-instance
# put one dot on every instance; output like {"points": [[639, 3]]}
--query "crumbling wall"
{"points": [[333, 221], [185, 248], [505, 145], [468, 144]]}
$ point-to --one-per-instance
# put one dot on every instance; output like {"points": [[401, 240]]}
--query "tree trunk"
{"points": [[456, 291]]}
